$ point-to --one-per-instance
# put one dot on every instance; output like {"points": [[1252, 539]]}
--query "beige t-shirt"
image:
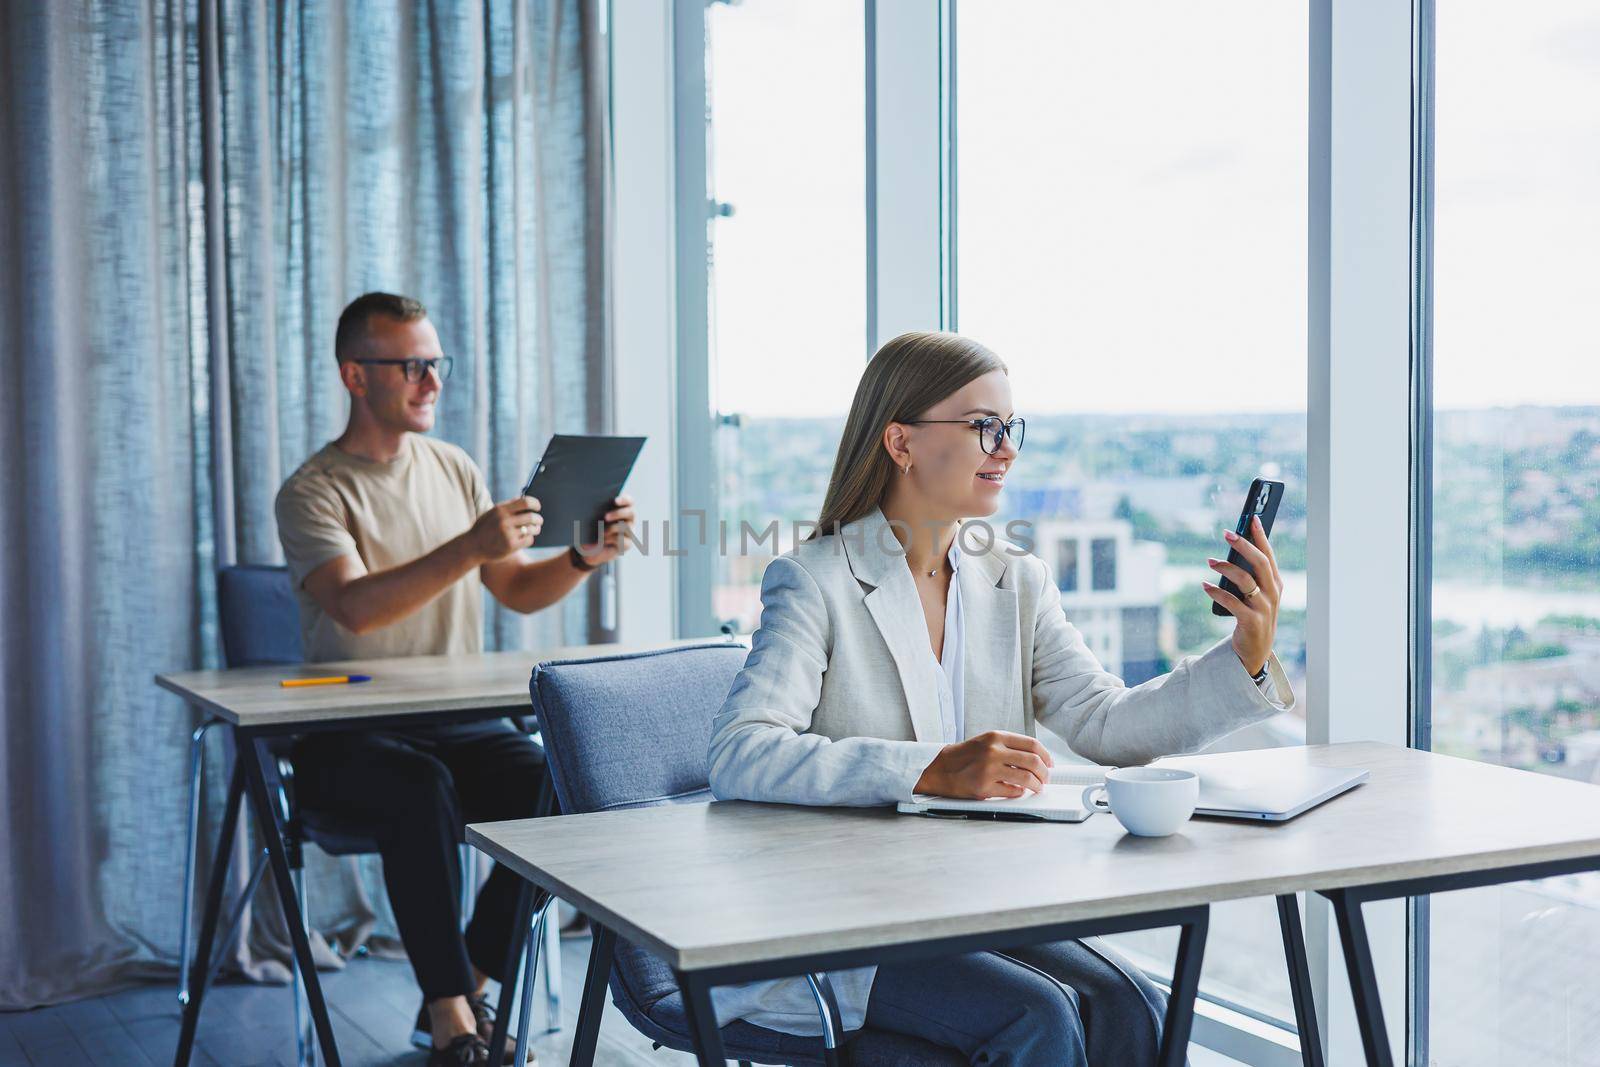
{"points": [[388, 514]]}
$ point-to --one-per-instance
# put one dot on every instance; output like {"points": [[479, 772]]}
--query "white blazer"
{"points": [[838, 704]]}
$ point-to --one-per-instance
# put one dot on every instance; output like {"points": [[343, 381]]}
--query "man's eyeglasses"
{"points": [[992, 431], [416, 369]]}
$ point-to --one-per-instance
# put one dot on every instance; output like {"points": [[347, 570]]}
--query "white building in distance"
{"points": [[1110, 590]]}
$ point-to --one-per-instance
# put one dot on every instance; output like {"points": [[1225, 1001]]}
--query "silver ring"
{"points": [[526, 527]]}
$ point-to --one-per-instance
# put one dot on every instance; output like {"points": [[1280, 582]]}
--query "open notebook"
{"points": [[1060, 801]]}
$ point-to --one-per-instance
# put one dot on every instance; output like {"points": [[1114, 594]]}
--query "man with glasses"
{"points": [[390, 535]]}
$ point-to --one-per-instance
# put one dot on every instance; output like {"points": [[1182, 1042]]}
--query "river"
{"points": [[1466, 603]]}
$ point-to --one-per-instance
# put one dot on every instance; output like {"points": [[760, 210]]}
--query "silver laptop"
{"points": [[1274, 784]]}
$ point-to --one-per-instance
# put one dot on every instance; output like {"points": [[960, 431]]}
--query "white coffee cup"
{"points": [[1148, 801]]}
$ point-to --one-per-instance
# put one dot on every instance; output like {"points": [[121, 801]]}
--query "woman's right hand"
{"points": [[995, 764]]}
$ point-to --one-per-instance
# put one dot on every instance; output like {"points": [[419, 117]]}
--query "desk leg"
{"points": [[1305, 1007], [1185, 986], [702, 1020], [508, 976], [1363, 976], [593, 1003], [251, 753], [197, 752], [208, 923]]}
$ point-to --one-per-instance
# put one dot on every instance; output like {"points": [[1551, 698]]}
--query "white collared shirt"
{"points": [[950, 675]]}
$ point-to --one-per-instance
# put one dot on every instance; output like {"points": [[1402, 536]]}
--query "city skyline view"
{"points": [[1130, 231]]}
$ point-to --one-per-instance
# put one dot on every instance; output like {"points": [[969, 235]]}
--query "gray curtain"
{"points": [[450, 151]]}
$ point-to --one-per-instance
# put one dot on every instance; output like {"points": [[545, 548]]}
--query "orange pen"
{"points": [[341, 679]]}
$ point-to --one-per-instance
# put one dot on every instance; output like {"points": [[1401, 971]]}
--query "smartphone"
{"points": [[1260, 503]]}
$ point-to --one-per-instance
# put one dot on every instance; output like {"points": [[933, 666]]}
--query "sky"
{"points": [[1131, 209]]}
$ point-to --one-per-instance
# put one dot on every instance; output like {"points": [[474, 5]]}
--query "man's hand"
{"points": [[506, 528], [995, 764], [1255, 609], [618, 523]]}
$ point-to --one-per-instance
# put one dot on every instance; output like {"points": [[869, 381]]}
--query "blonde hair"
{"points": [[906, 377]]}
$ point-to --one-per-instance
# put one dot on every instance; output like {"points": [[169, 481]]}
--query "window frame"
{"points": [[1420, 697], [1360, 409]]}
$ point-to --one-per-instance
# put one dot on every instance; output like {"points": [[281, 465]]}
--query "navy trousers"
{"points": [[1067, 1003]]}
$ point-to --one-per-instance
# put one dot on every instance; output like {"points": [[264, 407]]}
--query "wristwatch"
{"points": [[1260, 677], [579, 560]]}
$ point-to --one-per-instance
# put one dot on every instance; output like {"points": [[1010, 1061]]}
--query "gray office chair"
{"points": [[632, 731], [260, 624]]}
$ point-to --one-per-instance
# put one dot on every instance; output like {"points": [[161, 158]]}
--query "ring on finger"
{"points": [[525, 528], [1253, 592]]}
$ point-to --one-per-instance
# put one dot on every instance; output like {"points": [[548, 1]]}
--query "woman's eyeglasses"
{"points": [[992, 431], [416, 369]]}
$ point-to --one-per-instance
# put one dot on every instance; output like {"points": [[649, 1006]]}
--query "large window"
{"points": [[788, 248], [1130, 225], [1516, 500], [1131, 233]]}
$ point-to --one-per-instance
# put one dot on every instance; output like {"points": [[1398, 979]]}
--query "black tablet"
{"points": [[576, 482]]}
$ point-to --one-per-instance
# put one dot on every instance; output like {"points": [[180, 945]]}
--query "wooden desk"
{"points": [[403, 691], [731, 892], [416, 688]]}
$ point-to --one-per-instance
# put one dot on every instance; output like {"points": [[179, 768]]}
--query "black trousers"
{"points": [[414, 792]]}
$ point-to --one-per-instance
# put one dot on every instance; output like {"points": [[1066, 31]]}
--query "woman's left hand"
{"points": [[1255, 613], [618, 525]]}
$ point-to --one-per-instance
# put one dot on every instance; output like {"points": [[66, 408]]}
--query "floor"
{"points": [[374, 1004]]}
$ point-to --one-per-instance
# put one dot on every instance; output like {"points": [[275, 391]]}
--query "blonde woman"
{"points": [[896, 657]]}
